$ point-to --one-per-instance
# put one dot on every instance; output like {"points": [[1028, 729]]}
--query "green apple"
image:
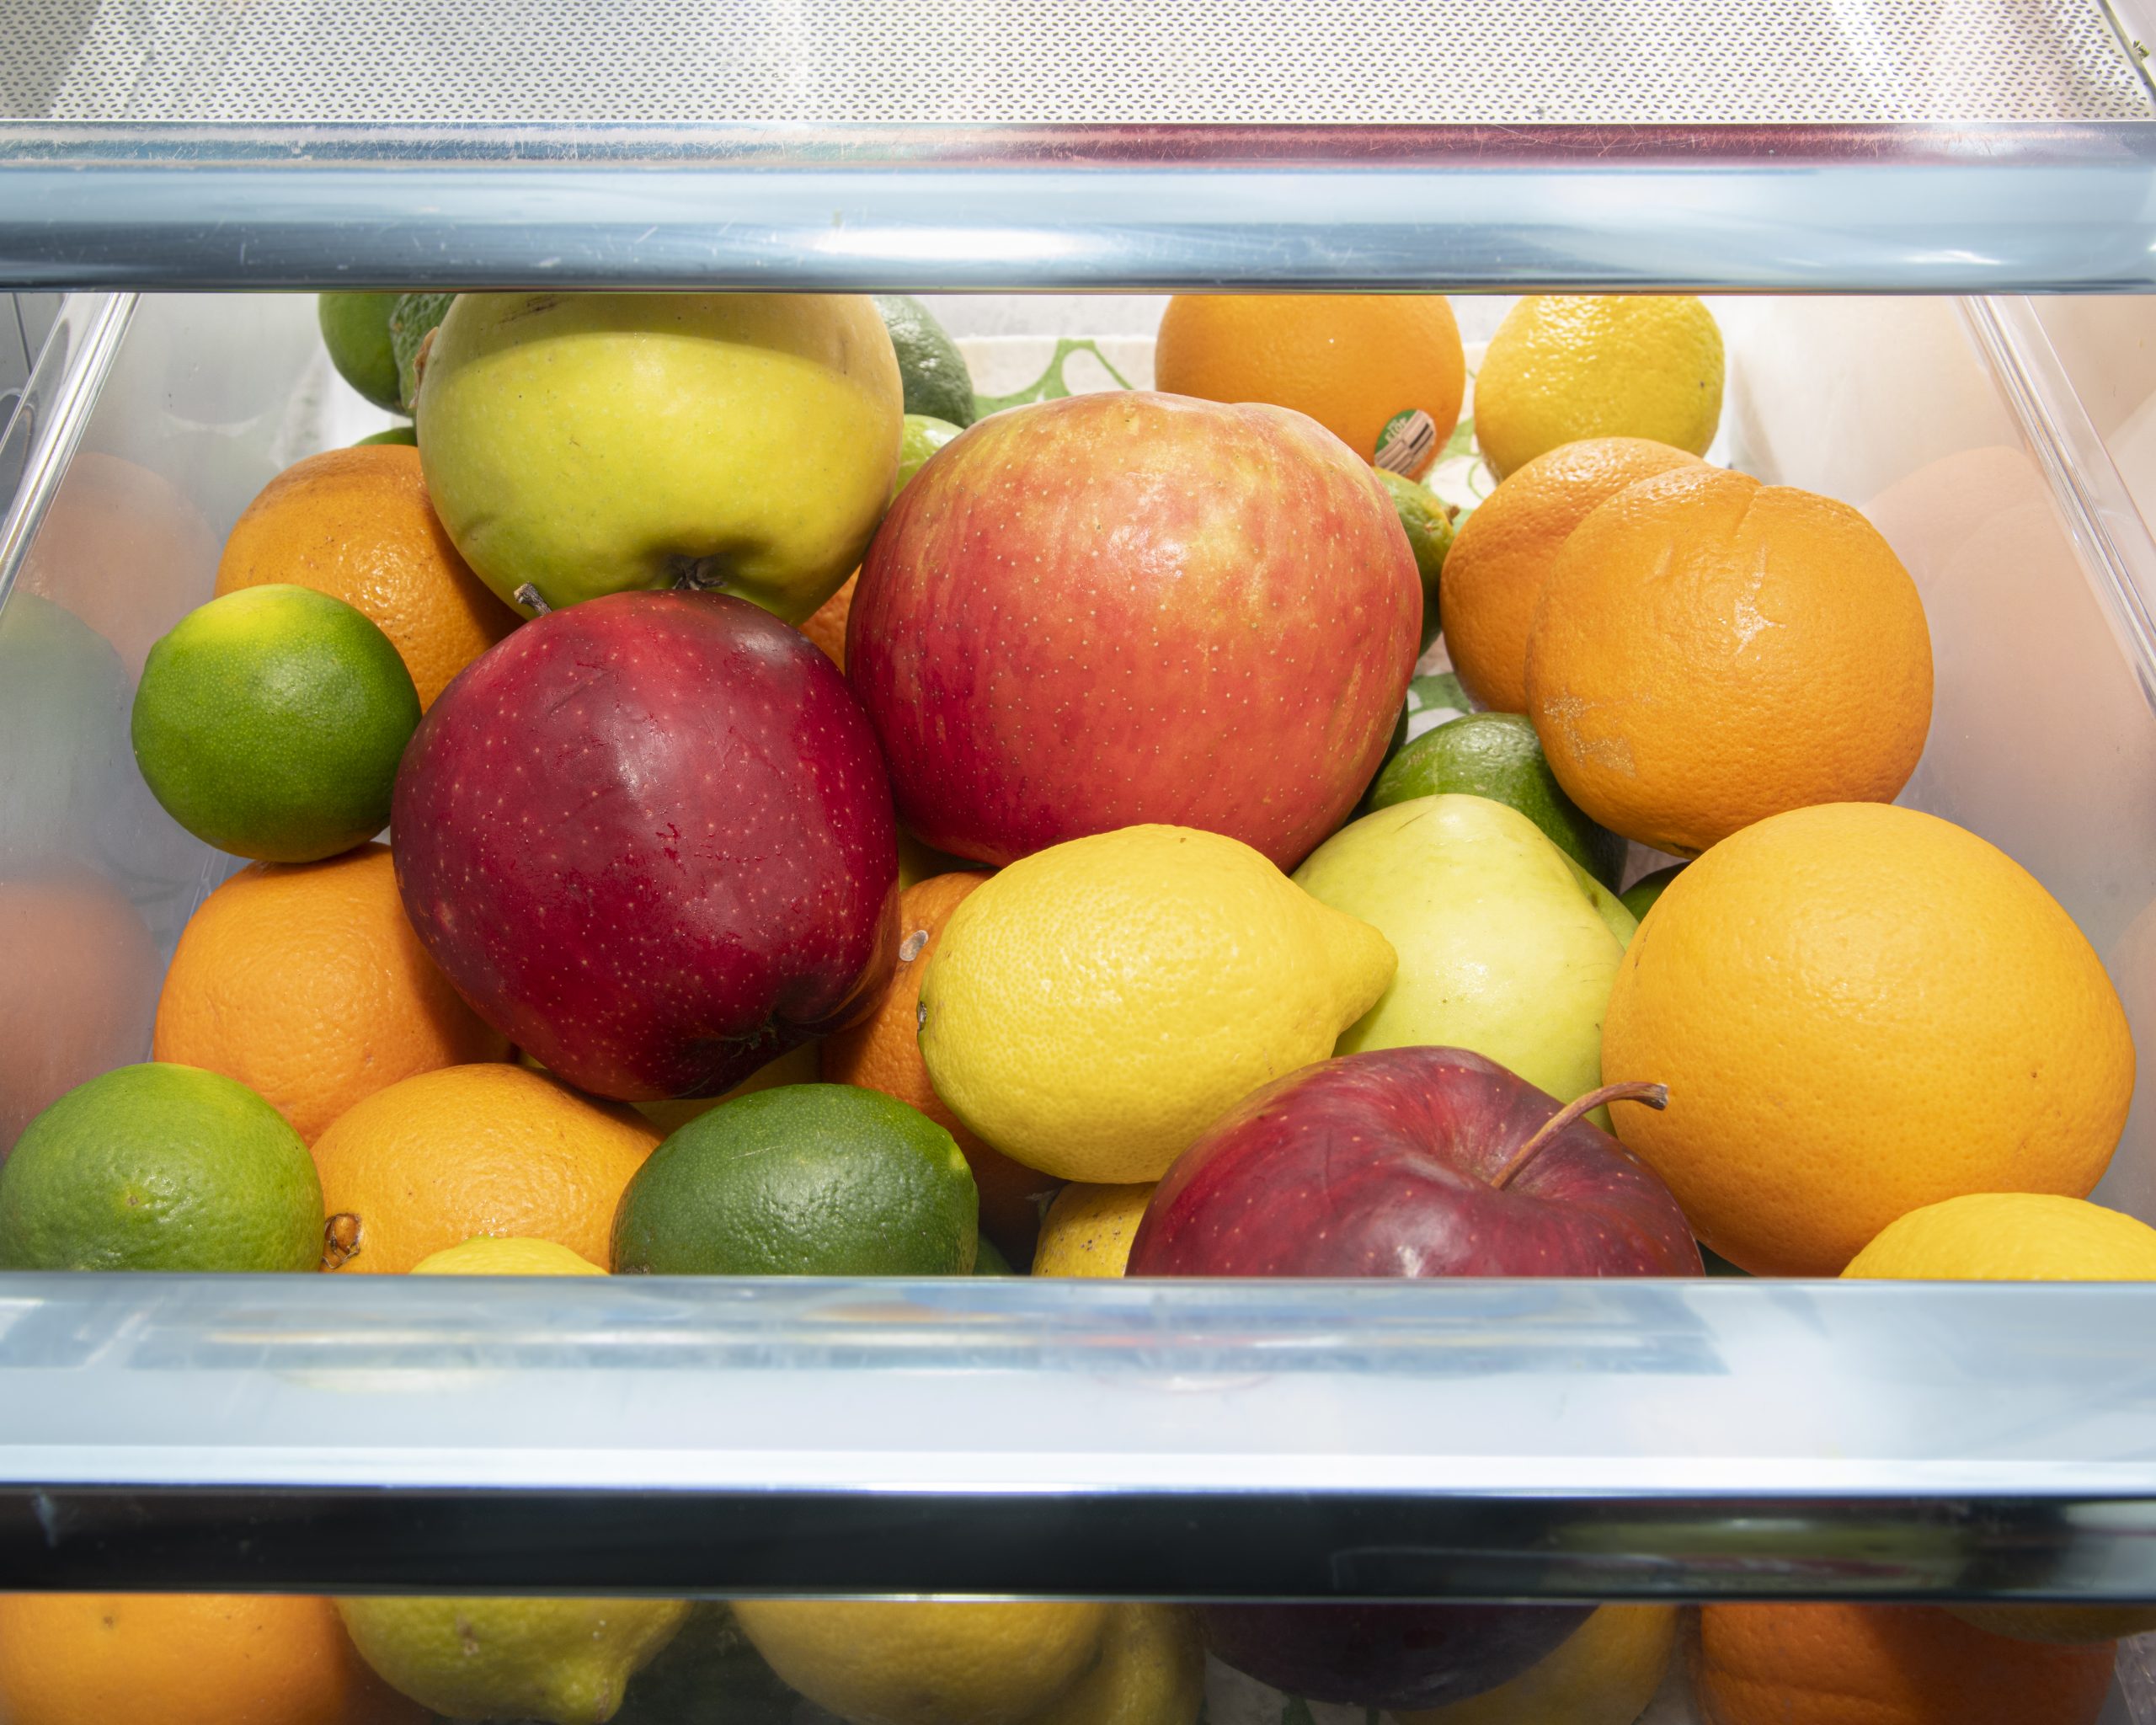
{"points": [[581, 444], [1508, 948]]}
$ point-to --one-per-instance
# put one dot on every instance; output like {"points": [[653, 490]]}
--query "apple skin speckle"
{"points": [[649, 838]]}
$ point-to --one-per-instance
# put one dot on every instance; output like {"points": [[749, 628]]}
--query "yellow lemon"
{"points": [[1151, 1672], [564, 1661], [1088, 1230], [1604, 1672], [2022, 1236], [2011, 1236], [505, 1255], [1096, 1005], [1565, 366], [927, 1661]]}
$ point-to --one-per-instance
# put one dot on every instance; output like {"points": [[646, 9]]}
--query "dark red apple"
{"points": [[1128, 607], [649, 838], [1406, 1162], [1411, 1162]]}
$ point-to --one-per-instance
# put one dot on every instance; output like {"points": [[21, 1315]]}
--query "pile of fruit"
{"points": [[828, 837]]}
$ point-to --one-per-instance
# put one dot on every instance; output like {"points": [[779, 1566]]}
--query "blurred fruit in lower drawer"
{"points": [[1604, 1672], [1836, 1665], [185, 1660], [564, 1662]]}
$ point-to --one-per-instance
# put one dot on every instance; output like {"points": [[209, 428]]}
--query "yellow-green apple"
{"points": [[581, 444], [1507, 946], [1406, 1162], [648, 838], [1126, 608]]}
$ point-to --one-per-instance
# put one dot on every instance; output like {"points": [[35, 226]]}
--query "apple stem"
{"points": [[527, 595], [1654, 1096]]}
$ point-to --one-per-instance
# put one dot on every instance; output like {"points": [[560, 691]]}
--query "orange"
{"points": [[1383, 372], [1498, 562], [356, 524], [185, 1660], [75, 990], [125, 550], [1861, 1010], [1708, 651], [882, 1052], [1842, 1664], [448, 1156], [826, 625], [305, 982]]}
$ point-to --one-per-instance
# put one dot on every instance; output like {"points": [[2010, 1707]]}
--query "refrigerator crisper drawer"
{"points": [[1358, 1440]]}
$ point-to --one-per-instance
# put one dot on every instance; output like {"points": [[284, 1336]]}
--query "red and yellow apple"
{"points": [[1129, 607]]}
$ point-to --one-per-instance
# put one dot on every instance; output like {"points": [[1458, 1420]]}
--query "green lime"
{"points": [[1497, 756], [921, 438], [1431, 701], [1428, 526], [355, 329], [805, 1180], [160, 1167], [269, 723], [1641, 893], [938, 383], [63, 723], [396, 434], [990, 1261], [411, 320]]}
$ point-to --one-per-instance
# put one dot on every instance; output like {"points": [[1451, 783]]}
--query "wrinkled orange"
{"points": [[1502, 553], [1356, 363], [356, 524], [305, 982], [1708, 651], [447, 1156], [1843, 1664], [882, 1052], [141, 1659]]}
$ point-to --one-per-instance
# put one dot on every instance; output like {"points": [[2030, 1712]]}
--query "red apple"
{"points": [[1129, 607], [1411, 1162], [649, 838], [1406, 1162]]}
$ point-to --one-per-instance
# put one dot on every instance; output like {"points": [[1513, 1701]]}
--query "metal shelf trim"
{"points": [[1904, 209], [1367, 1440]]}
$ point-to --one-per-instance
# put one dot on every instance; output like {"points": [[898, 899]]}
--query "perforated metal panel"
{"points": [[1061, 61]]}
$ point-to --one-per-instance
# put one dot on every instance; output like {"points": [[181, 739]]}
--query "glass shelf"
{"points": [[1937, 146], [1546, 1439]]}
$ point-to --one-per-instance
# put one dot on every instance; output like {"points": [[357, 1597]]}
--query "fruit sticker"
{"points": [[1406, 444]]}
